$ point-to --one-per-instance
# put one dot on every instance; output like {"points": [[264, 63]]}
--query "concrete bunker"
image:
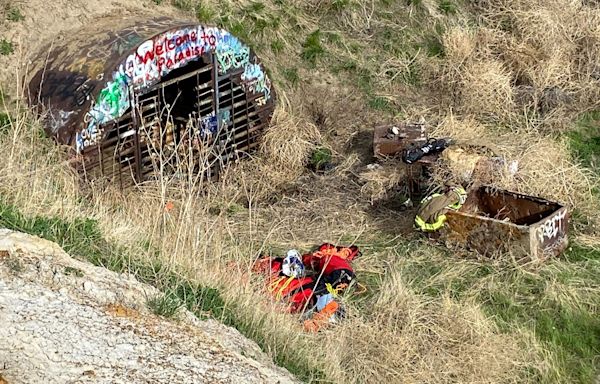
{"points": [[127, 93]]}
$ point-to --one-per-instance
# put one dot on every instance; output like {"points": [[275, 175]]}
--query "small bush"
{"points": [[320, 158], [312, 49], [14, 14], [166, 305], [6, 47]]}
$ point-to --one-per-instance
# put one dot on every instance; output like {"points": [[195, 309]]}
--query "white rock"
{"points": [[55, 330]]}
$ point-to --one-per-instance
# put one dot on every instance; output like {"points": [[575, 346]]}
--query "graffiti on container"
{"points": [[125, 42], [82, 92], [255, 80], [232, 54], [224, 117], [208, 126], [261, 101], [552, 227], [112, 102], [157, 57], [59, 119]]}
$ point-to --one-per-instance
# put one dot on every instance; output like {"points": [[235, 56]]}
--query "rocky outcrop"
{"points": [[67, 321]]}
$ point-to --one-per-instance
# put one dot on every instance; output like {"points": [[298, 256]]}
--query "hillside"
{"points": [[68, 321], [520, 77]]}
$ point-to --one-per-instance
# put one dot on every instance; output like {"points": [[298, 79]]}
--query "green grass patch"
{"points": [[277, 46], [447, 7], [379, 103], [5, 122], [516, 297], [14, 14], [584, 140], [165, 305], [205, 13], [6, 47], [320, 158], [339, 5], [291, 76], [433, 46], [184, 5], [312, 50]]}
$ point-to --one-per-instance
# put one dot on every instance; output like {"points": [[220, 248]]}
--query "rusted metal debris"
{"points": [[391, 140], [496, 221], [125, 93]]}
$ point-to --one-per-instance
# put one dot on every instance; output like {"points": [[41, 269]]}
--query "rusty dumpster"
{"points": [[126, 92], [495, 222]]}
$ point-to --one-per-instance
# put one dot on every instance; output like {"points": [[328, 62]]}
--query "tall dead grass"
{"points": [[403, 337], [214, 231]]}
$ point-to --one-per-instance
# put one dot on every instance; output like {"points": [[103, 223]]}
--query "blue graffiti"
{"points": [[256, 81], [225, 117], [231, 53], [208, 126]]}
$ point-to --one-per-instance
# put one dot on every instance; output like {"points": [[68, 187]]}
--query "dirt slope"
{"points": [[68, 321]]}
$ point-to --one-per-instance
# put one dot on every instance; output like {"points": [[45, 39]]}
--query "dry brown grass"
{"points": [[379, 181], [405, 337], [270, 202]]}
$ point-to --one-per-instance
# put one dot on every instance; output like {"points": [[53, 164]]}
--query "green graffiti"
{"points": [[113, 100]]}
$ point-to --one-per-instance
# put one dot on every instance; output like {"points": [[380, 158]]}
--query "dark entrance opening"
{"points": [[194, 120]]}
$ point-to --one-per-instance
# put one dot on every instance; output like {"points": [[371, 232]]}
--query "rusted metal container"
{"points": [[387, 144], [495, 222], [126, 92]]}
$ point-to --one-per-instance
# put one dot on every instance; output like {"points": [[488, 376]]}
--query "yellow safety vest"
{"points": [[439, 223]]}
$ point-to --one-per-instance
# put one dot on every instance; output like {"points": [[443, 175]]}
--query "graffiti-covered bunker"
{"points": [[125, 93]]}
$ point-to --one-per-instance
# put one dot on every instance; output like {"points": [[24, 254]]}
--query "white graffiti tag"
{"points": [[551, 228]]}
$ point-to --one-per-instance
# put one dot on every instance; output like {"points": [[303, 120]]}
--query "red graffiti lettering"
{"points": [[159, 49], [148, 56], [209, 39], [171, 45], [160, 64], [169, 64]]}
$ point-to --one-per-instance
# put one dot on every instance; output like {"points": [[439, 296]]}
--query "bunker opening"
{"points": [[171, 99]]}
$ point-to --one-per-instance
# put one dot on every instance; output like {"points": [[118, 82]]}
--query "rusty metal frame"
{"points": [[529, 227]]}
